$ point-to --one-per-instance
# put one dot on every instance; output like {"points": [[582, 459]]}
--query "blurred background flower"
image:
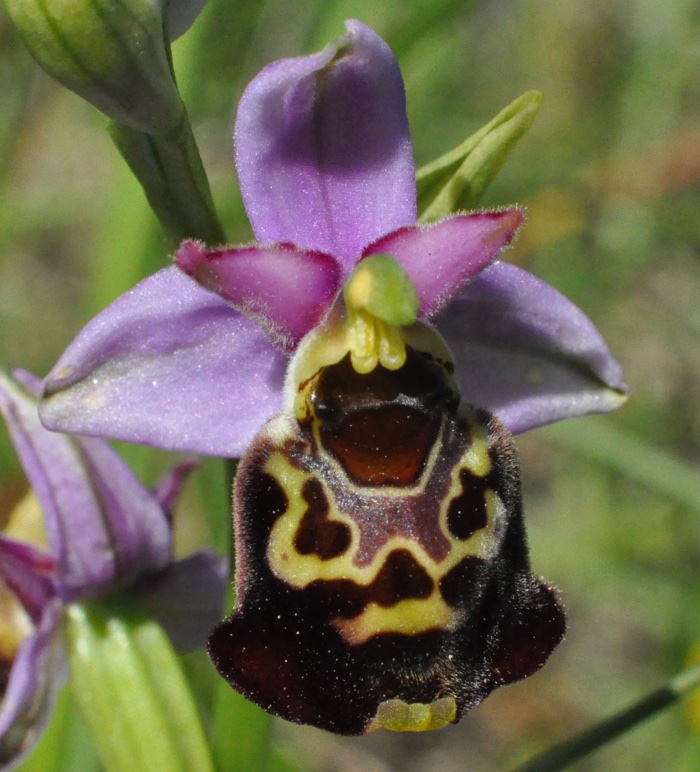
{"points": [[609, 174], [86, 530]]}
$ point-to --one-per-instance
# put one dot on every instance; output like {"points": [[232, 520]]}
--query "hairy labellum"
{"points": [[382, 574]]}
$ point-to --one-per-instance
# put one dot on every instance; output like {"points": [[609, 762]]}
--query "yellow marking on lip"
{"points": [[481, 543], [399, 716], [477, 459], [410, 616], [301, 570]]}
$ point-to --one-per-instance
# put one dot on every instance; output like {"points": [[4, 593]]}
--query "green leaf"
{"points": [[66, 743], [653, 467], [458, 179], [128, 682]]}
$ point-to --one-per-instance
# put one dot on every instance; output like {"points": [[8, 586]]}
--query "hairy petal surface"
{"points": [[168, 364], [104, 527], [414, 600], [440, 258], [323, 150], [38, 672], [287, 291], [526, 353]]}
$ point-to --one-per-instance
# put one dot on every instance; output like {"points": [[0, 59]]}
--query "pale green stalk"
{"points": [[129, 684], [171, 173], [563, 755]]}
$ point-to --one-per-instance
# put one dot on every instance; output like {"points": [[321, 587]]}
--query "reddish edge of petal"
{"points": [[443, 257], [29, 573], [285, 290]]}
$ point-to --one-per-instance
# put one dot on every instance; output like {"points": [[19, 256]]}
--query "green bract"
{"points": [[458, 178]]}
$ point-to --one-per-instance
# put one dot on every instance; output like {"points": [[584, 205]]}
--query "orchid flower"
{"points": [[324, 160], [382, 572], [105, 533]]}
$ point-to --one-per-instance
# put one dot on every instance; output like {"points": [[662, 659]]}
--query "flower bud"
{"points": [[111, 52]]}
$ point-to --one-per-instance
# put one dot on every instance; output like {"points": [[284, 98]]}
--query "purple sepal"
{"points": [[131, 523], [323, 150], [29, 573], [38, 672], [169, 487], [168, 364], [526, 353], [441, 257], [107, 532], [285, 290], [187, 598], [104, 527]]}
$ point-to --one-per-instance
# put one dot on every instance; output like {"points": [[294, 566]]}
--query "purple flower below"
{"points": [[326, 170], [105, 533]]}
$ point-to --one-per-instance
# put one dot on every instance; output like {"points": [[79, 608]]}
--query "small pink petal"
{"points": [[442, 257], [285, 290]]}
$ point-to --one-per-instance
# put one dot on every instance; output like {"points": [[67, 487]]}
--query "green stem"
{"points": [[172, 175], [566, 753]]}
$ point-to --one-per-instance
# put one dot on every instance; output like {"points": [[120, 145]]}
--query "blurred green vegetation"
{"points": [[609, 174]]}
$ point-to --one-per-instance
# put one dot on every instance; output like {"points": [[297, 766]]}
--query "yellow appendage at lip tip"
{"points": [[400, 716]]}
